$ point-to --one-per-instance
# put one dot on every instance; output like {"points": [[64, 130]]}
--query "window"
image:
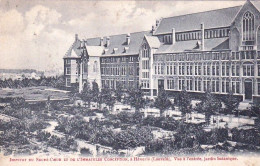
{"points": [[258, 86], [68, 70], [95, 67], [145, 51], [145, 64], [170, 84], [145, 74], [225, 86], [197, 84], [248, 69], [145, 84], [233, 70], [68, 82], [237, 70], [67, 61], [258, 66], [235, 86], [204, 69], [206, 84], [189, 69], [181, 83], [248, 26], [189, 84]]}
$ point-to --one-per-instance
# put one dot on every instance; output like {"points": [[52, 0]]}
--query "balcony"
{"points": [[247, 47]]}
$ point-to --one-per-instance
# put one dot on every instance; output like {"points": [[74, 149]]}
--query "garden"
{"points": [[27, 133]]}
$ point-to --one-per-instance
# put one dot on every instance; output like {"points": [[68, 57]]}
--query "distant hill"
{"points": [[19, 71]]}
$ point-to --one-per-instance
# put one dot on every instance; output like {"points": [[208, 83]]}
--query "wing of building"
{"points": [[216, 50]]}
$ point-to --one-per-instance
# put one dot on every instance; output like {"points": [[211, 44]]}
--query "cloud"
{"points": [[37, 44], [38, 36], [11, 22], [39, 18], [108, 18]]}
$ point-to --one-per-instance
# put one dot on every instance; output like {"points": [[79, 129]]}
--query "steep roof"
{"points": [[94, 50], [119, 42], [153, 41], [256, 4], [191, 22], [181, 46], [74, 50]]}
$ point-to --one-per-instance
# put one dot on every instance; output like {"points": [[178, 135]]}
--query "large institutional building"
{"points": [[217, 50]]}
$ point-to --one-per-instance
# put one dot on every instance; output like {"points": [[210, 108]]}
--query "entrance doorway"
{"points": [[160, 84], [248, 89]]}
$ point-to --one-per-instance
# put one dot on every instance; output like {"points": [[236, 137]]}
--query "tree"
{"points": [[19, 103], [136, 98], [162, 101], [86, 94], [119, 92], [108, 97], [231, 102], [255, 110], [97, 97], [209, 105], [48, 104], [183, 100], [132, 138]]}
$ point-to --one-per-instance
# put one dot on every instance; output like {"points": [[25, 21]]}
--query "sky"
{"points": [[37, 34]]}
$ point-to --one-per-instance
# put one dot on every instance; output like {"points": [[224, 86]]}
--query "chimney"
{"points": [[202, 37], [108, 41], [153, 29], [76, 37], [101, 41], [82, 44], [173, 36], [128, 39]]}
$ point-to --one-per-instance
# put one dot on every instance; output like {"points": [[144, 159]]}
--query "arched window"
{"points": [[145, 52], [248, 26], [95, 66]]}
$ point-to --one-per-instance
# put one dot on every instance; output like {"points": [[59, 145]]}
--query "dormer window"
{"points": [[248, 27], [105, 51], [115, 50], [126, 49]]}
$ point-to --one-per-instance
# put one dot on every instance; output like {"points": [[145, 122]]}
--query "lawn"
{"points": [[34, 93]]}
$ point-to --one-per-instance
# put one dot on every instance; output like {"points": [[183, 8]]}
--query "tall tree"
{"points": [[136, 98], [97, 96], [255, 110], [231, 103], [86, 94], [19, 103], [183, 100], [108, 97], [210, 105], [119, 92], [162, 101]]}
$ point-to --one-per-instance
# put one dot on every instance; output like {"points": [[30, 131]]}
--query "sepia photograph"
{"points": [[129, 82]]}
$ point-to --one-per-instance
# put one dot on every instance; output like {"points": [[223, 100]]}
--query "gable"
{"points": [[248, 6], [152, 41]]}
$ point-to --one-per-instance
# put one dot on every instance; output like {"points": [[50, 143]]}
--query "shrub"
{"points": [[43, 136], [85, 152]]}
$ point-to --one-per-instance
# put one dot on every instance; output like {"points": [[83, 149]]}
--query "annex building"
{"points": [[216, 50]]}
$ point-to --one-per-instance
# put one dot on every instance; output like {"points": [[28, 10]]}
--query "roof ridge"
{"points": [[118, 34], [202, 12]]}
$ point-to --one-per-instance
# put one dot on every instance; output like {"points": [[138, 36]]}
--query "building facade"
{"points": [[217, 51]]}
